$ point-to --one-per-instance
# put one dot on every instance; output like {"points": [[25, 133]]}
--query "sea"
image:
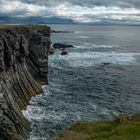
{"points": [[98, 79]]}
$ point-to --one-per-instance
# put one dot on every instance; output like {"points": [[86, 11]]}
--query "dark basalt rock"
{"points": [[62, 46], [23, 57], [51, 51], [64, 32], [64, 52]]}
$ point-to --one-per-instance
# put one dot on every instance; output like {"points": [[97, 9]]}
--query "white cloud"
{"points": [[18, 8], [86, 14]]}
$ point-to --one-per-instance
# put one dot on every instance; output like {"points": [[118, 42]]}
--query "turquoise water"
{"points": [[98, 79]]}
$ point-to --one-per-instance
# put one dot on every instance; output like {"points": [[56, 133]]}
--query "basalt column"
{"points": [[23, 58]]}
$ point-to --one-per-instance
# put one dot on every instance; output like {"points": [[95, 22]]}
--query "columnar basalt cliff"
{"points": [[23, 58]]}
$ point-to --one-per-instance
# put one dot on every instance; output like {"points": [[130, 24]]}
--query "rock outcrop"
{"points": [[23, 58], [62, 46]]}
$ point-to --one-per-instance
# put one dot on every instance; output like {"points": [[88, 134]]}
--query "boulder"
{"points": [[64, 52]]}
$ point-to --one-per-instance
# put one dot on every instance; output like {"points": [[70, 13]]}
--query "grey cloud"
{"points": [[46, 8], [120, 3]]}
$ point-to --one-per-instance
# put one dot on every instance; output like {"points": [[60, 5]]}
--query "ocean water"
{"points": [[98, 79]]}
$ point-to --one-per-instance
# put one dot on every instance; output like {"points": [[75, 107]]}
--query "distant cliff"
{"points": [[23, 60], [37, 20]]}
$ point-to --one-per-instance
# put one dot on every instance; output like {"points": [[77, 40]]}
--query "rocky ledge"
{"points": [[23, 60]]}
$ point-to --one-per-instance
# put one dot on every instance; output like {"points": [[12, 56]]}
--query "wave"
{"points": [[85, 59], [77, 32], [92, 46], [103, 46], [83, 37]]}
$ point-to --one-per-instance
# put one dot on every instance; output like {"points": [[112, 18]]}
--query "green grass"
{"points": [[121, 128]]}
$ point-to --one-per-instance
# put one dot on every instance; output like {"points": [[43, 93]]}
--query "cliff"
{"points": [[23, 58]]}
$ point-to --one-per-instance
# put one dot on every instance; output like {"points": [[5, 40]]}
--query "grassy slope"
{"points": [[121, 128]]}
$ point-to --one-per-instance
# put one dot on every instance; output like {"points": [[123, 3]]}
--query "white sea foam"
{"points": [[45, 90], [33, 113], [84, 46], [37, 138], [76, 59], [87, 45], [26, 114], [38, 113], [81, 46], [83, 37], [103, 46], [77, 32]]}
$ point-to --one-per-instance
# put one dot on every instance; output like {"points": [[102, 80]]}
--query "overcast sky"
{"points": [[78, 10]]}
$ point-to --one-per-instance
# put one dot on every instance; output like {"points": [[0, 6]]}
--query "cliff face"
{"points": [[23, 57]]}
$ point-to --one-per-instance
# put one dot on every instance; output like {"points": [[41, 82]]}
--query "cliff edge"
{"points": [[23, 59]]}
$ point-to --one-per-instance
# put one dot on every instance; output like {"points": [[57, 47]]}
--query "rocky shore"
{"points": [[23, 60]]}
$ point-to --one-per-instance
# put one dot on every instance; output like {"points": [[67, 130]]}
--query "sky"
{"points": [[78, 10]]}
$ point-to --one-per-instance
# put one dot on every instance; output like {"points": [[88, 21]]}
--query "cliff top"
{"points": [[29, 26]]}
